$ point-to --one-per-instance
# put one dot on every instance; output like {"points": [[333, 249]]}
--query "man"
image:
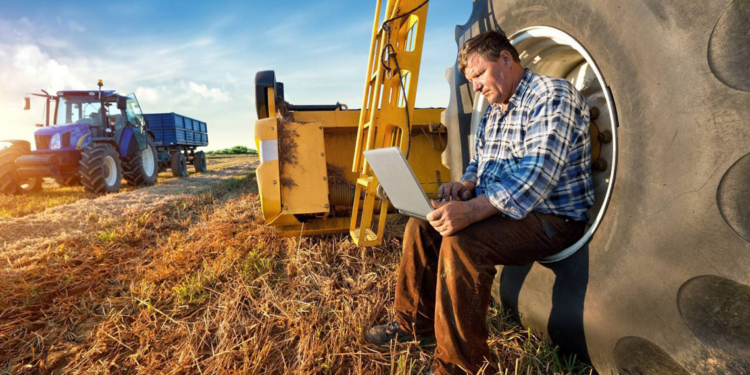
{"points": [[531, 178], [94, 118]]}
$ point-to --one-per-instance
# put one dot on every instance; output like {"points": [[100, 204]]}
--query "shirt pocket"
{"points": [[517, 149], [511, 146]]}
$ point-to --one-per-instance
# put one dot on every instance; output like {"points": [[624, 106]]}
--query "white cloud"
{"points": [[213, 93], [75, 26], [36, 67], [147, 95], [15, 31]]}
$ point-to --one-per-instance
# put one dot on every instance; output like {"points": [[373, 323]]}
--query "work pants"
{"points": [[444, 283]]}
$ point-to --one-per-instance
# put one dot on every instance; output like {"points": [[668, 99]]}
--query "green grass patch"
{"points": [[107, 236], [191, 290]]}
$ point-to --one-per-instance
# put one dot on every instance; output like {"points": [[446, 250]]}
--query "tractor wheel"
{"points": [[179, 164], [101, 169], [31, 185], [8, 178], [141, 169], [69, 181], [200, 162], [661, 285]]}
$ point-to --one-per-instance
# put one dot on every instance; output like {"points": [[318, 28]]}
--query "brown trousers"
{"points": [[444, 283]]}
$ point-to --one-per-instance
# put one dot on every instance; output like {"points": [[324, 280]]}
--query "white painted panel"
{"points": [[269, 150]]}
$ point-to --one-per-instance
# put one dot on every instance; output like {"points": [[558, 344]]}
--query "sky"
{"points": [[199, 58]]}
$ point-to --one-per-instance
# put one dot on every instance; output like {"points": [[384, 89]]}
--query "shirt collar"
{"points": [[520, 90]]}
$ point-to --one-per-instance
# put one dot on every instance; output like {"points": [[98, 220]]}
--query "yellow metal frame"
{"points": [[307, 189], [266, 130], [383, 121], [340, 131]]}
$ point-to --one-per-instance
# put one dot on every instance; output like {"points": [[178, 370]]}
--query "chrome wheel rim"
{"points": [[149, 163], [110, 171]]}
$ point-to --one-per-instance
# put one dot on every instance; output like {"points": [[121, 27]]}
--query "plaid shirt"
{"points": [[536, 156]]}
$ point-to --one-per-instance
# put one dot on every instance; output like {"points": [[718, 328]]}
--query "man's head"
{"points": [[95, 117], [492, 66]]}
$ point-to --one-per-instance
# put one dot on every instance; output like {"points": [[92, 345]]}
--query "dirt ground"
{"points": [[185, 278], [32, 231]]}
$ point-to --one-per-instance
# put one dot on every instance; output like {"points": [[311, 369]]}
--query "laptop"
{"points": [[398, 180]]}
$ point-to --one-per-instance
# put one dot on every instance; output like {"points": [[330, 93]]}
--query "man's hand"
{"points": [[456, 191], [450, 217]]}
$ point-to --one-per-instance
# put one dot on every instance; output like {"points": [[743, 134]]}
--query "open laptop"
{"points": [[398, 180]]}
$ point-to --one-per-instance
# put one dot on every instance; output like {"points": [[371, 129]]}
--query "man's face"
{"points": [[492, 79]]}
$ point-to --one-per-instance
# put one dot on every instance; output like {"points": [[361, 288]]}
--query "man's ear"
{"points": [[507, 59]]}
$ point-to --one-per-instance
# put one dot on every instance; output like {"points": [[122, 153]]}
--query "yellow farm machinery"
{"points": [[660, 281], [313, 178]]}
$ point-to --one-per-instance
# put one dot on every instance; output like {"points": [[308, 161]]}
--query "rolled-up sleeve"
{"points": [[551, 131], [471, 171]]}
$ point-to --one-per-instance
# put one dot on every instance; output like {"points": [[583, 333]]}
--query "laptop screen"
{"points": [[400, 184]]}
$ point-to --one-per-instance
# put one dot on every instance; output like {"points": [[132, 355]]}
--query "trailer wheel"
{"points": [[140, 169], [69, 181], [101, 169], [8, 178], [179, 164], [31, 185], [200, 162]]}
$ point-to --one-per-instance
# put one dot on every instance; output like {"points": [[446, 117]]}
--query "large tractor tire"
{"points": [[101, 169], [141, 168], [200, 162], [8, 177], [179, 164], [661, 283]]}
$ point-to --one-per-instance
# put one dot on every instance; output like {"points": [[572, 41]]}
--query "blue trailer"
{"points": [[176, 138]]}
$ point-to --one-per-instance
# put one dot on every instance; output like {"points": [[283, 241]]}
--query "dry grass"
{"points": [[54, 195], [194, 283]]}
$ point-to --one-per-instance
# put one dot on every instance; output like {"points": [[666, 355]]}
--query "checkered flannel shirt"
{"points": [[536, 156]]}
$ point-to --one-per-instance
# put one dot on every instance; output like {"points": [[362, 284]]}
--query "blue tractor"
{"points": [[96, 139]]}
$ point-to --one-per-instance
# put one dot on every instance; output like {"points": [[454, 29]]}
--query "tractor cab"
{"points": [[81, 116], [85, 107]]}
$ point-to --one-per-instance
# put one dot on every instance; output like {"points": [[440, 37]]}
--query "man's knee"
{"points": [[416, 226], [458, 241], [460, 246]]}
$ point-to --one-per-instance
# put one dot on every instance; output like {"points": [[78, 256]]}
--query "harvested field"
{"points": [[185, 278], [54, 195]]}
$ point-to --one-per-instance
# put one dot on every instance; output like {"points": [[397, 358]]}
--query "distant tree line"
{"points": [[236, 150]]}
